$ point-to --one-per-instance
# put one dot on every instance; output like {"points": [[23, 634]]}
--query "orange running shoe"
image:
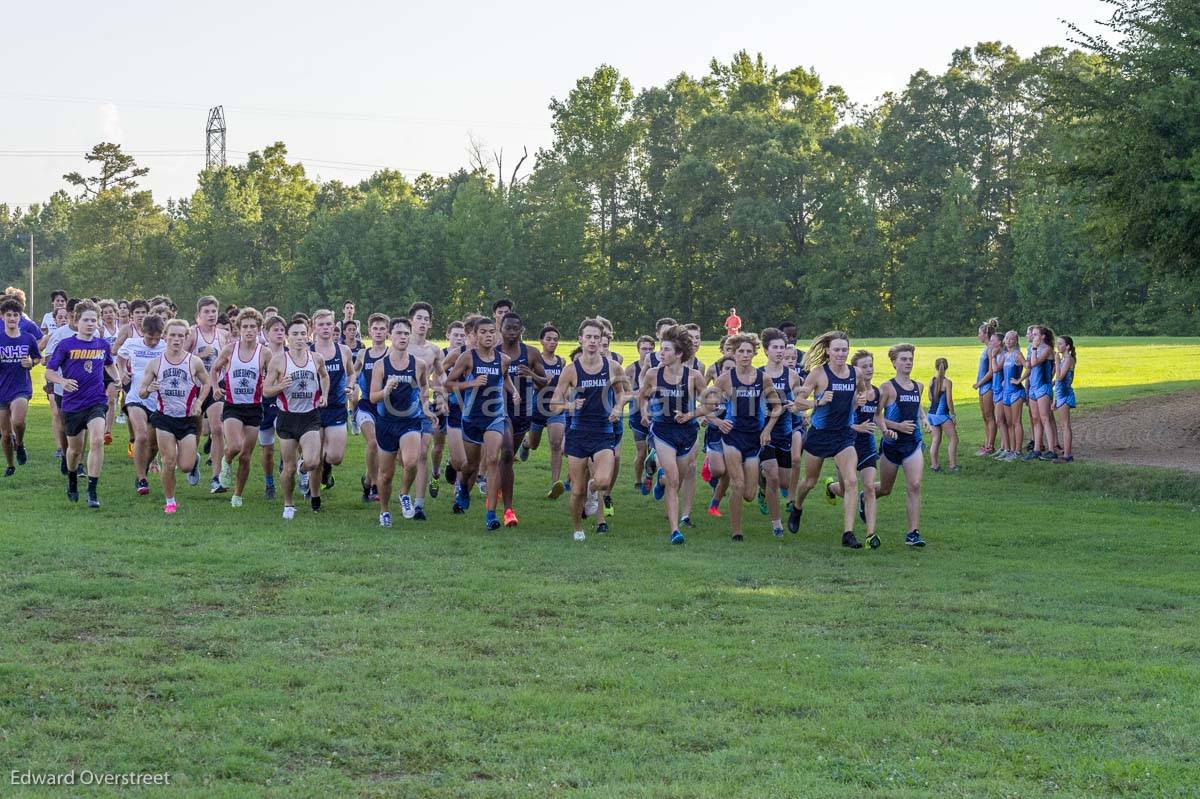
{"points": [[107, 439], [510, 518], [129, 449]]}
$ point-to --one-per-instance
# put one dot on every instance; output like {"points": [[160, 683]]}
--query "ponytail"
{"points": [[935, 385]]}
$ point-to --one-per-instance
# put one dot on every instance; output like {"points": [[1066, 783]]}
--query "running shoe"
{"points": [[327, 480], [193, 477], [1048, 455], [208, 445], [73, 494], [93, 500], [289, 512], [914, 539], [490, 521], [304, 483], [435, 485], [738, 537], [1032, 455], [849, 541], [523, 452], [462, 499], [830, 497], [705, 472], [129, 450], [556, 490], [602, 528], [660, 490], [366, 489], [714, 507], [591, 504], [677, 537], [215, 487], [935, 468], [419, 515], [873, 541], [170, 508], [510, 517], [406, 506], [1065, 459], [794, 514], [762, 502], [22, 455], [226, 475], [686, 521], [143, 487], [107, 439], [120, 419], [954, 469], [235, 501], [651, 465], [985, 451], [777, 531], [644, 485], [9, 471], [385, 519], [315, 503], [269, 490], [579, 535], [482, 483], [609, 510]]}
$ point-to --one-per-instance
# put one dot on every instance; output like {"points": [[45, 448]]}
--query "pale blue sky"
{"points": [[351, 85]]}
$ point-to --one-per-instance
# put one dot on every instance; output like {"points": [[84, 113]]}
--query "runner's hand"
{"points": [[826, 397], [27, 362], [69, 385]]}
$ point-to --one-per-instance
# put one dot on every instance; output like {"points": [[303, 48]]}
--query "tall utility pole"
{"points": [[214, 151]]}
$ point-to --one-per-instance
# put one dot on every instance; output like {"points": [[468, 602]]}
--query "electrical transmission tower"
{"points": [[214, 151]]}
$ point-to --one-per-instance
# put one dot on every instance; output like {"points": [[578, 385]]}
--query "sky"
{"points": [[351, 87]]}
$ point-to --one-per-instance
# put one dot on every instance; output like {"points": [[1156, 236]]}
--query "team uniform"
{"points": [[712, 434], [905, 408], [138, 354], [334, 412], [864, 443], [85, 362], [984, 367], [214, 347], [1011, 371], [243, 387], [640, 432], [1040, 377], [829, 430], [939, 412], [1064, 391], [400, 411], [668, 400], [542, 417], [483, 406], [780, 448], [15, 382], [520, 416], [799, 420], [589, 430], [176, 398], [745, 409], [366, 413], [298, 414]]}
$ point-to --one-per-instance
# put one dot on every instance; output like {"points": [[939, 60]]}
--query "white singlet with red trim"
{"points": [[243, 379], [304, 393], [177, 388]]}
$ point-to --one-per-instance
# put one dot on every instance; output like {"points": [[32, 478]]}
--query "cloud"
{"points": [[110, 122]]}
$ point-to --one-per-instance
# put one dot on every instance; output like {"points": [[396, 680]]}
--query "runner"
{"points": [[274, 335], [456, 337], [667, 404], [339, 366], [137, 352], [206, 341], [78, 364], [298, 379], [237, 378], [109, 330], [1012, 365], [1039, 374], [543, 417], [983, 384], [420, 317], [713, 471], [526, 374], [867, 420], [904, 417], [1064, 394], [19, 353], [178, 380], [399, 387], [377, 330], [58, 302], [776, 457], [592, 388], [638, 422], [752, 409]]}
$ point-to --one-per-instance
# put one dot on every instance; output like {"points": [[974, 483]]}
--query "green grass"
{"points": [[1044, 644]]}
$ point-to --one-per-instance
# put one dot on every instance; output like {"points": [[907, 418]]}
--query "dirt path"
{"points": [[1155, 431]]}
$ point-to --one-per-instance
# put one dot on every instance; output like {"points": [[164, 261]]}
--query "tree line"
{"points": [[1059, 188]]}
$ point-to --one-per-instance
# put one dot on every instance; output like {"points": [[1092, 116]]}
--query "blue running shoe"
{"points": [[777, 532], [677, 537], [659, 489], [491, 522], [686, 521], [914, 539]]}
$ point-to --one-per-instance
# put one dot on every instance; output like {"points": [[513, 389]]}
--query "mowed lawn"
{"points": [[1044, 643]]}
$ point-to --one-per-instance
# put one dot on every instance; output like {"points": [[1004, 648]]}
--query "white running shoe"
{"points": [[592, 503], [226, 476], [579, 535], [406, 506], [289, 512], [235, 501], [481, 481]]}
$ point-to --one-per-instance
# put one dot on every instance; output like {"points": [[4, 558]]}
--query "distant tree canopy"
{"points": [[1059, 188]]}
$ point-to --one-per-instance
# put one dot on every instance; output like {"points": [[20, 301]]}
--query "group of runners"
{"points": [[242, 379]]}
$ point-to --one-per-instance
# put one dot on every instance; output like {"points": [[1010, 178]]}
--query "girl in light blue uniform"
{"points": [[1064, 394], [1012, 369], [941, 417], [1039, 366], [983, 384]]}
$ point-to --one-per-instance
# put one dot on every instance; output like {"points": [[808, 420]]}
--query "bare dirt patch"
{"points": [[1154, 431]]}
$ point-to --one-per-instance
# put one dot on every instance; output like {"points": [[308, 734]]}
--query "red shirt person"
{"points": [[733, 323]]}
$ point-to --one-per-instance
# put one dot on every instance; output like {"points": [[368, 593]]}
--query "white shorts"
{"points": [[362, 417]]}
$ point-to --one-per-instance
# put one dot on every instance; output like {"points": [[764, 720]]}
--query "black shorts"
{"points": [[294, 425], [781, 455], [75, 422], [179, 426], [249, 415], [126, 407], [208, 403]]}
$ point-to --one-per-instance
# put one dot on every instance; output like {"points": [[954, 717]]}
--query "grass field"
{"points": [[1043, 644]]}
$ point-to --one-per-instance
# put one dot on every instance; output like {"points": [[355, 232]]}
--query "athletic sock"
{"points": [[72, 480], [419, 503], [170, 501], [92, 481]]}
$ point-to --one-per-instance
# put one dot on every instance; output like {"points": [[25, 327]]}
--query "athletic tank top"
{"points": [[483, 404], [1037, 374], [177, 388], [866, 413], [337, 376], [1012, 371], [110, 336], [798, 416], [201, 342], [984, 365], [836, 414], [554, 372], [243, 378], [139, 354], [942, 406], [998, 375], [1063, 386], [782, 431], [745, 405], [653, 360], [404, 400], [905, 408], [523, 385], [304, 393], [364, 378], [597, 397], [672, 398]]}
